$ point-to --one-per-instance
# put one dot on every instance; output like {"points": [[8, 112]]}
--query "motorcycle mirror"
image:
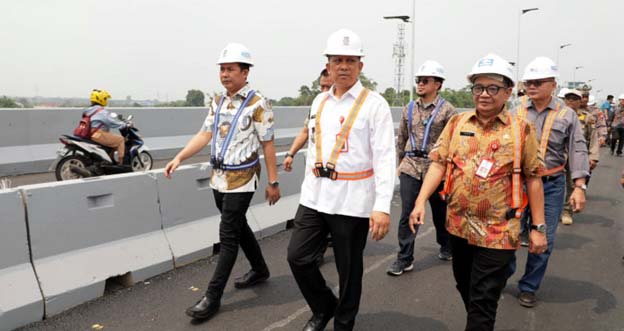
{"points": [[130, 117]]}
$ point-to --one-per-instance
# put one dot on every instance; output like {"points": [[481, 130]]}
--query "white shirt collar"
{"points": [[354, 91]]}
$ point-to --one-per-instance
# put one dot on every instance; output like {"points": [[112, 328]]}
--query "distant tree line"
{"points": [[194, 98], [6, 102], [461, 98]]}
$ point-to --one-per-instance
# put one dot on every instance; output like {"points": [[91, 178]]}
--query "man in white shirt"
{"points": [[348, 185]]}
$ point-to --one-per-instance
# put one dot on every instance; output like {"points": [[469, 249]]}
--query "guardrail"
{"points": [[60, 242], [29, 137]]}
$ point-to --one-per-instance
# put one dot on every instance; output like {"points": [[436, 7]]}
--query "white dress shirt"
{"points": [[370, 144]]}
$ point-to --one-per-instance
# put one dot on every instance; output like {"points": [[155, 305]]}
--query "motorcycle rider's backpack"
{"points": [[83, 130]]}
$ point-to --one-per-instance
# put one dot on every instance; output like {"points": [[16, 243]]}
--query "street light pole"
{"points": [[520, 13], [558, 51], [574, 75], [399, 54], [413, 52]]}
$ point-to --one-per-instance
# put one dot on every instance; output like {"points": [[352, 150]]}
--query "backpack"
{"points": [[83, 130]]}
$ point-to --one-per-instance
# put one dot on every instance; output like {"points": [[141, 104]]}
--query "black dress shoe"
{"points": [[203, 309], [250, 279], [318, 322]]}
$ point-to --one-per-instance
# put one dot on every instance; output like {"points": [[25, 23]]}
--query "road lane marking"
{"points": [[373, 267]]}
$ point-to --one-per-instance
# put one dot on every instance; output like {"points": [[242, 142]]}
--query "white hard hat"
{"points": [[621, 97], [491, 64], [431, 69], [562, 93], [235, 53], [541, 67], [591, 101], [344, 42], [574, 91]]}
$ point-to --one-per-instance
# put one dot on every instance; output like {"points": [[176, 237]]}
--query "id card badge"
{"points": [[485, 167]]}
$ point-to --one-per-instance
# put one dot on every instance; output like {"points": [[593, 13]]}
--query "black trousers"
{"points": [[349, 236], [481, 275], [410, 187], [233, 231], [617, 136]]}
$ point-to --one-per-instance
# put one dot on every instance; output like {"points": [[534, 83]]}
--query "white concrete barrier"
{"points": [[190, 216], [272, 219], [86, 231], [20, 296]]}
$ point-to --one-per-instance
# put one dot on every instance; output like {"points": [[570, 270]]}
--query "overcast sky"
{"points": [[162, 48]]}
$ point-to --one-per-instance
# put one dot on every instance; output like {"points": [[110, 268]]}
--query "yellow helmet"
{"points": [[100, 97]]}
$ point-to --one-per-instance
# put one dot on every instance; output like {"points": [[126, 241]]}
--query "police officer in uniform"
{"points": [[600, 118], [588, 123]]}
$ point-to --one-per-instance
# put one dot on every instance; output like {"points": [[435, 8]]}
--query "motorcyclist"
{"points": [[102, 121]]}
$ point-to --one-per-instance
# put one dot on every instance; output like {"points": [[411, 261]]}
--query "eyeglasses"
{"points": [[491, 90], [537, 82], [424, 80]]}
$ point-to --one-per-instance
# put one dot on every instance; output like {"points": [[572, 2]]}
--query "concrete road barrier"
{"points": [[84, 232], [272, 219], [21, 301], [190, 216]]}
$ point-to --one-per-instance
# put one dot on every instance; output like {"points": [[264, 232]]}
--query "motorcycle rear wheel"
{"points": [[63, 168]]}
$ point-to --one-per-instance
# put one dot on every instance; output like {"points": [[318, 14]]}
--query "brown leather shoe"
{"points": [[527, 299]]}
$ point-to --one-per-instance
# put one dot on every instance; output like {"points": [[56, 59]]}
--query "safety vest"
{"points": [[546, 128], [519, 199], [216, 159], [422, 152], [328, 170]]}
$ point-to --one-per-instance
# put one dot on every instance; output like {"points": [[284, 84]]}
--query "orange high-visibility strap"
{"points": [[340, 141], [519, 199], [347, 175], [346, 128], [548, 123], [317, 133], [455, 131], [546, 129], [522, 111]]}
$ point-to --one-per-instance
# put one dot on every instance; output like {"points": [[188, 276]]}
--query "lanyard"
{"points": [[428, 124], [230, 134]]}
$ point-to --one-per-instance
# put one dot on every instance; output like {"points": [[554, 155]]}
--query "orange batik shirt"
{"points": [[477, 206]]}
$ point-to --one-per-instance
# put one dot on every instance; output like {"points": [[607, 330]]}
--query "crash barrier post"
{"points": [[84, 232], [21, 301]]}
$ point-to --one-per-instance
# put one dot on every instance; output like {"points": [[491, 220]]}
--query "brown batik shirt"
{"points": [[477, 206], [417, 166]]}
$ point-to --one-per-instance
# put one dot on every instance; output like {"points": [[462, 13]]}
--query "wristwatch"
{"points": [[582, 187], [288, 154], [541, 228], [274, 184]]}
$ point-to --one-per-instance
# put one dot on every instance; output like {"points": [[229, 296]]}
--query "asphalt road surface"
{"points": [[583, 288]]}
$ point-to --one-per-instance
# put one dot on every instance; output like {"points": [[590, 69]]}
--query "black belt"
{"points": [[546, 179]]}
